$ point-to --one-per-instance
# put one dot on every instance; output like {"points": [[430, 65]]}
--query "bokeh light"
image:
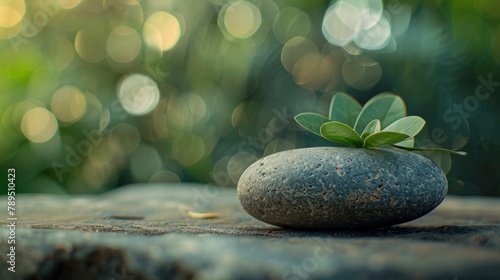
{"points": [[68, 104], [340, 23], [61, 53], [90, 44], [358, 21], [374, 37], [241, 19], [138, 94], [370, 12], [361, 72], [11, 15], [22, 108], [291, 22], [162, 31], [316, 71], [39, 125], [202, 89], [295, 49], [11, 12], [124, 44]]}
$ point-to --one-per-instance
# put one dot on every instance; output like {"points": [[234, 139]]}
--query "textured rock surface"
{"points": [[328, 187], [145, 232]]}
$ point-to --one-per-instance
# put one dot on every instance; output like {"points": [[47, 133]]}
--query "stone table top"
{"points": [[191, 231]]}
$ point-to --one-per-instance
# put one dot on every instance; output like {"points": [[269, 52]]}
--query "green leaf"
{"points": [[431, 150], [386, 107], [411, 125], [410, 142], [340, 132], [384, 138], [344, 108], [371, 127], [311, 121]]}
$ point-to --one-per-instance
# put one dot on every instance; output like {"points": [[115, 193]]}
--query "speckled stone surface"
{"points": [[335, 188]]}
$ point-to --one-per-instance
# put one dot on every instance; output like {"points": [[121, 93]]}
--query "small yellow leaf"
{"points": [[196, 215]]}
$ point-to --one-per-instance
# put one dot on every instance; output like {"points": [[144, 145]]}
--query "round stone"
{"points": [[341, 188]]}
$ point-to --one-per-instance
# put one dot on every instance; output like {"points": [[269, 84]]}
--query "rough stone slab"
{"points": [[145, 232]]}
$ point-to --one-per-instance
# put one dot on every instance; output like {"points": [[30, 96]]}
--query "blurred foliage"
{"points": [[95, 94]]}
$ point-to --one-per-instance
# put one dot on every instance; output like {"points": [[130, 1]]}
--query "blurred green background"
{"points": [[95, 94]]}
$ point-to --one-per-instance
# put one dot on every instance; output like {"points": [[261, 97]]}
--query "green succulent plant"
{"points": [[381, 121]]}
